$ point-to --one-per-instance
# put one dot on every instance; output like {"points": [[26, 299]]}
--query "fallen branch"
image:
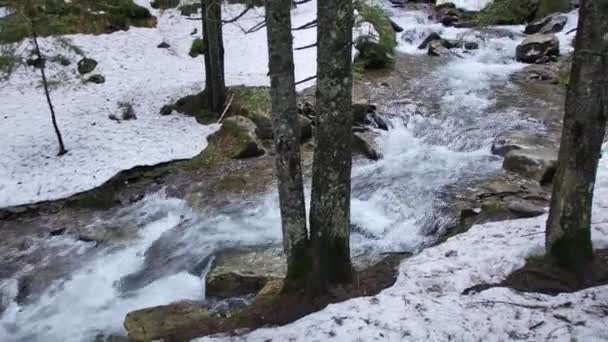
{"points": [[226, 109], [306, 80]]}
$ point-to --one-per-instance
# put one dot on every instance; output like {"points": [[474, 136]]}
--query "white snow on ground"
{"points": [[426, 303], [471, 5], [136, 71]]}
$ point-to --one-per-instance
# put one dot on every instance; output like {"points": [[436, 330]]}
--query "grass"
{"points": [[8, 61], [77, 16], [197, 48], [507, 12], [376, 56]]}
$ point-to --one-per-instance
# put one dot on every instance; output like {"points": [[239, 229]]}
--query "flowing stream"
{"points": [[442, 120]]}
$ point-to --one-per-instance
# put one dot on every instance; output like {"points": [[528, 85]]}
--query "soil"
{"points": [[542, 275]]}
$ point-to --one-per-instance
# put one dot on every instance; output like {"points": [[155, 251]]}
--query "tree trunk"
{"points": [[287, 140], [546, 7], [330, 199], [568, 235], [215, 85], [45, 84]]}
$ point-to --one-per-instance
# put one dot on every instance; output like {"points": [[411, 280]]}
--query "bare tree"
{"points": [[32, 13], [330, 199], [215, 85], [287, 141], [568, 234]]}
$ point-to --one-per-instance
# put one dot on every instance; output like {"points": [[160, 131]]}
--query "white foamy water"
{"points": [[443, 137], [471, 5]]}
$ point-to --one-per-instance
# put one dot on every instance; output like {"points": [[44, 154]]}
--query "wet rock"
{"points": [[431, 37], [86, 65], [437, 48], [240, 135], [263, 124], [517, 140], [239, 271], [97, 79], [550, 24], [537, 164], [471, 45], [379, 121], [167, 110], [360, 111], [396, 27], [365, 146], [305, 125], [536, 47], [162, 321]]}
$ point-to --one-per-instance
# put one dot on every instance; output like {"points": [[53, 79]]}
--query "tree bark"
{"points": [[215, 85], [330, 199], [45, 84], [568, 234], [287, 140]]}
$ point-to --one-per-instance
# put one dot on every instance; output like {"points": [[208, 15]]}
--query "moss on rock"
{"points": [[508, 12]]}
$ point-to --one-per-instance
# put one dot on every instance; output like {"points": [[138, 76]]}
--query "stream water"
{"points": [[443, 123]]}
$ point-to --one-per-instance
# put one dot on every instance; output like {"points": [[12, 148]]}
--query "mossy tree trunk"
{"points": [[215, 85], [568, 234], [330, 199], [546, 7], [287, 141]]}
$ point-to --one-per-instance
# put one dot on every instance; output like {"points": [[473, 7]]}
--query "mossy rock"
{"points": [[377, 54], [508, 12], [165, 4], [196, 106], [86, 65], [197, 48], [237, 138]]}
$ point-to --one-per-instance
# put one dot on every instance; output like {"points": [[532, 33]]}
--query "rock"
{"points": [[364, 146], [396, 27], [97, 79], [379, 121], [305, 125], [163, 45], [86, 65], [444, 5], [243, 140], [371, 52], [550, 24], [241, 271], [537, 164], [518, 140], [37, 63], [167, 110], [360, 111], [307, 109], [537, 46], [471, 45], [263, 124], [436, 48], [160, 322], [431, 37]]}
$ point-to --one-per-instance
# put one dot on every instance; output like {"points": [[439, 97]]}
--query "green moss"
{"points": [[507, 12], [164, 4], [358, 70], [547, 7], [250, 99], [78, 16], [197, 48], [189, 9], [8, 62], [381, 22]]}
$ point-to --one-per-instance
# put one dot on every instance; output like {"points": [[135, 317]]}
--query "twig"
{"points": [[226, 109], [306, 80]]}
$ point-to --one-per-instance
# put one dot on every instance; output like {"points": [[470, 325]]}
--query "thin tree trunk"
{"points": [[287, 140], [45, 84], [215, 85], [330, 199], [568, 234]]}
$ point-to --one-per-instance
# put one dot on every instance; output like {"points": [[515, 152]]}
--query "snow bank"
{"points": [[136, 71], [471, 5], [426, 303]]}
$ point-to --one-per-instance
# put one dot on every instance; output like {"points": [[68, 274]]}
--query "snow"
{"points": [[426, 303], [471, 5], [136, 71]]}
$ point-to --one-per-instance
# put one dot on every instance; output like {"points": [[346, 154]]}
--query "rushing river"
{"points": [[442, 120]]}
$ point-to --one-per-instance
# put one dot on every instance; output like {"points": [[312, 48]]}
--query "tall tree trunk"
{"points": [[287, 140], [45, 84], [568, 235], [215, 85], [330, 199]]}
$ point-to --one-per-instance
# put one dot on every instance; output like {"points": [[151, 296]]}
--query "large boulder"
{"points": [[240, 271], [365, 146], [538, 48], [550, 24], [163, 321], [238, 138], [536, 164], [305, 126], [518, 140]]}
